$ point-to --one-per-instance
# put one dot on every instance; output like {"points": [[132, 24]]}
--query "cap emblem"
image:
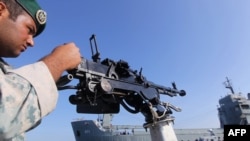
{"points": [[41, 16]]}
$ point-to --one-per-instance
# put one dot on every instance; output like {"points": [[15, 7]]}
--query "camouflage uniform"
{"points": [[26, 95]]}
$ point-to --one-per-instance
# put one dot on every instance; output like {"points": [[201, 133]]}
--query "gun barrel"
{"points": [[168, 91]]}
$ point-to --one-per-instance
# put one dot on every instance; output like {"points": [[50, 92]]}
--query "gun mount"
{"points": [[104, 85]]}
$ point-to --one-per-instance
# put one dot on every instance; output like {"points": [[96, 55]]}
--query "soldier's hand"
{"points": [[62, 58], [68, 56]]}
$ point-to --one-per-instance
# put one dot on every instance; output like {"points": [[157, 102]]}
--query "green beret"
{"points": [[35, 11]]}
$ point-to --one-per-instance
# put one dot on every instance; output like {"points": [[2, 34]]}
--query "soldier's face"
{"points": [[16, 36]]}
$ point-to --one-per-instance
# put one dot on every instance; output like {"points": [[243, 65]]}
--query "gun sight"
{"points": [[96, 54]]}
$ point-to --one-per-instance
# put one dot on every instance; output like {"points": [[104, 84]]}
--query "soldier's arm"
{"points": [[63, 57], [26, 95], [29, 93]]}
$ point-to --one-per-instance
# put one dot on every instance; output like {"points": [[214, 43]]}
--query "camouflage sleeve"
{"points": [[26, 95]]}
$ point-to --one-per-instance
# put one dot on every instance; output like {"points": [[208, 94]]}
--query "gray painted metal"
{"points": [[89, 130]]}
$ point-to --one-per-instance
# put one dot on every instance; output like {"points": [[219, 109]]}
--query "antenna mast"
{"points": [[228, 85]]}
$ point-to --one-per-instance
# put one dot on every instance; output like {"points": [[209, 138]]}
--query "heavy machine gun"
{"points": [[104, 85]]}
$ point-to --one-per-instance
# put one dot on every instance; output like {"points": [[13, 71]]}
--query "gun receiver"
{"points": [[104, 85]]}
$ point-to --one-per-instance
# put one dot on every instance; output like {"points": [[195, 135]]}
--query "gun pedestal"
{"points": [[162, 130]]}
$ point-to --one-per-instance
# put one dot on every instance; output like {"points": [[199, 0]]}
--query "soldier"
{"points": [[28, 93]]}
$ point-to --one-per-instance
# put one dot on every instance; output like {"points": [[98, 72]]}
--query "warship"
{"points": [[233, 109]]}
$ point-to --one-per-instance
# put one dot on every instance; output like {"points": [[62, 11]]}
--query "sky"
{"points": [[194, 43]]}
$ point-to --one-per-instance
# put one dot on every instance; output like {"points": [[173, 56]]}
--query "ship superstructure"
{"points": [[90, 130], [234, 108]]}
